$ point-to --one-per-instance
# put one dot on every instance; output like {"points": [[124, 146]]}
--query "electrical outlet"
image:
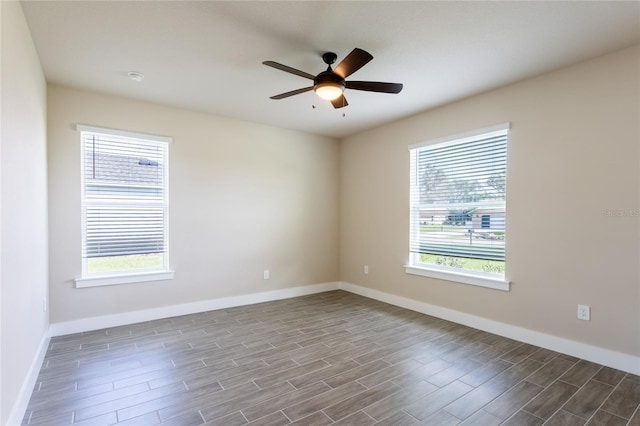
{"points": [[265, 274], [584, 312], [366, 269]]}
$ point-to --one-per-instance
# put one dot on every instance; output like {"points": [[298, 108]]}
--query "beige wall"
{"points": [[573, 156], [23, 177], [243, 198]]}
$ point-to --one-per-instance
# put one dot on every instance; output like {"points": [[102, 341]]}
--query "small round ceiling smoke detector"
{"points": [[136, 76]]}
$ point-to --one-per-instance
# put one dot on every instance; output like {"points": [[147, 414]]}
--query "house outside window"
{"points": [[125, 207], [458, 207]]}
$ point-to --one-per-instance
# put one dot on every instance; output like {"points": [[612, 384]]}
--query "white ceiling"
{"points": [[207, 56]]}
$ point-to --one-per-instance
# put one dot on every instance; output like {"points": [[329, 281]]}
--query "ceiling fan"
{"points": [[330, 84]]}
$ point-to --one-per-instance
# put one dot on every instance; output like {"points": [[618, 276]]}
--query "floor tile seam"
{"points": [[197, 400], [47, 365], [281, 411], [379, 358], [315, 341], [74, 402], [240, 403], [325, 414], [471, 414], [353, 396], [521, 407], [51, 354], [390, 415], [67, 347], [576, 392], [469, 391], [321, 380], [146, 401], [529, 374], [252, 379], [530, 413], [490, 378], [70, 396], [354, 380], [604, 400], [278, 357], [86, 340], [541, 362], [192, 405], [296, 390], [247, 347], [37, 414], [390, 380], [339, 401], [613, 414], [353, 358], [40, 421], [222, 388], [362, 411], [201, 416], [608, 384], [478, 357], [402, 389], [451, 365], [295, 377], [130, 358], [365, 386], [524, 344], [240, 411], [635, 412], [88, 420], [560, 407]]}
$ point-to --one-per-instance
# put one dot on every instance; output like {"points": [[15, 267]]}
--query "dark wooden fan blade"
{"points": [[289, 69], [374, 86], [353, 62], [291, 93], [340, 102]]}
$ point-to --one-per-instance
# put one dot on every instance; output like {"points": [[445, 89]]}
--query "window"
{"points": [[458, 207], [124, 207]]}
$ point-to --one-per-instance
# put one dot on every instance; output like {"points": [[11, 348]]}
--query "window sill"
{"points": [[459, 277], [103, 280]]}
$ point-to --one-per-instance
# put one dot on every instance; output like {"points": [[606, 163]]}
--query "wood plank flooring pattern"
{"points": [[330, 358]]}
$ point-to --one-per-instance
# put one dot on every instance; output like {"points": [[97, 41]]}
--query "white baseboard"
{"points": [[106, 321], [618, 360], [613, 359], [20, 407]]}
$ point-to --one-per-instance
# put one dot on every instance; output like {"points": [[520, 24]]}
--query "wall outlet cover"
{"points": [[584, 312]]}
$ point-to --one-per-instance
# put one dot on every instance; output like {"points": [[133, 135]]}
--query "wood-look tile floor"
{"points": [[330, 358]]}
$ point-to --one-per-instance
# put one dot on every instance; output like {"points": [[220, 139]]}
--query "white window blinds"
{"points": [[125, 200], [458, 196]]}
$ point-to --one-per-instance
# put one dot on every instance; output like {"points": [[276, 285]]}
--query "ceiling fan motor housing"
{"points": [[328, 78]]}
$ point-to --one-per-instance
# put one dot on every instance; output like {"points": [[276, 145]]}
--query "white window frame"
{"points": [[126, 276], [465, 276]]}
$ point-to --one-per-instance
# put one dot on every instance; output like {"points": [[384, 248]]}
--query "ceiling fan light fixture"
{"points": [[329, 90]]}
